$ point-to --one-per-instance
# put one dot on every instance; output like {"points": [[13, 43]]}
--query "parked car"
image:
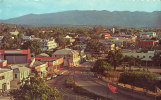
{"points": [[60, 73], [48, 78], [54, 75]]}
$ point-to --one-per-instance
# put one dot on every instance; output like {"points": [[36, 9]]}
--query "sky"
{"points": [[16, 8]]}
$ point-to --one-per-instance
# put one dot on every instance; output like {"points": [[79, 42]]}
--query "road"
{"points": [[88, 82], [58, 82]]}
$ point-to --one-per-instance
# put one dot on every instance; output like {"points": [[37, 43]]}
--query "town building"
{"points": [[1, 38], [148, 35], [146, 43], [3, 63], [15, 32], [69, 39], [54, 64], [6, 76], [26, 38], [20, 73], [48, 44], [106, 35], [71, 57], [39, 67], [84, 39], [15, 56], [143, 56]]}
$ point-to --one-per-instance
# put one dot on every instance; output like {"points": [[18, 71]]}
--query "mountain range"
{"points": [[91, 17]]}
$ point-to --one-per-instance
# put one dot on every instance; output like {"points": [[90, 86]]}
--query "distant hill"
{"points": [[116, 18]]}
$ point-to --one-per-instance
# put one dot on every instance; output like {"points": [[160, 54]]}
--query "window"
{"points": [[143, 56], [149, 56], [1, 77], [15, 75], [137, 56]]}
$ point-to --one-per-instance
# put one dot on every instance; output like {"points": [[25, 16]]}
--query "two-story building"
{"points": [[71, 57], [148, 35], [48, 44], [20, 73], [39, 67], [54, 64], [6, 76]]}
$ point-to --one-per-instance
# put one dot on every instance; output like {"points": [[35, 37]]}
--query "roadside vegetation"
{"points": [[107, 68]]}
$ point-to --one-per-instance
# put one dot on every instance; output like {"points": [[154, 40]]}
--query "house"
{"points": [[39, 67], [48, 44], [108, 44], [82, 56], [6, 76], [106, 35], [71, 57], [148, 35], [146, 43], [84, 38], [1, 38], [143, 56], [26, 38], [20, 73], [15, 56], [69, 39], [15, 32], [3, 63], [54, 64]]}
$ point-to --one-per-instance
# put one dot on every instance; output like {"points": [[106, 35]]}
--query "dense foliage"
{"points": [[114, 58], [101, 66], [140, 79], [35, 89], [34, 46]]}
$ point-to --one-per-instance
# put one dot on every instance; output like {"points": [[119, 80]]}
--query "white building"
{"points": [[48, 44], [1, 38], [148, 35], [143, 56], [15, 32], [6, 76]]}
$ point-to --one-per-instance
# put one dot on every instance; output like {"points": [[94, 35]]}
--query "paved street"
{"points": [[99, 87], [58, 82]]}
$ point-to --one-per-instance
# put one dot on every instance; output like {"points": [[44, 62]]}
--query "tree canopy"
{"points": [[140, 79], [34, 46], [114, 58], [101, 66], [35, 89]]}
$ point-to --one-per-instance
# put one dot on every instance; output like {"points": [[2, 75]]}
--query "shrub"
{"points": [[140, 79]]}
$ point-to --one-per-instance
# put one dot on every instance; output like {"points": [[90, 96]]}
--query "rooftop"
{"points": [[38, 63], [21, 69], [65, 51], [2, 70]]}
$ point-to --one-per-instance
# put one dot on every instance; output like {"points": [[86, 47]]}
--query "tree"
{"points": [[34, 46], [140, 79], [61, 41], [132, 61], [35, 89], [101, 66], [114, 58], [156, 59]]}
